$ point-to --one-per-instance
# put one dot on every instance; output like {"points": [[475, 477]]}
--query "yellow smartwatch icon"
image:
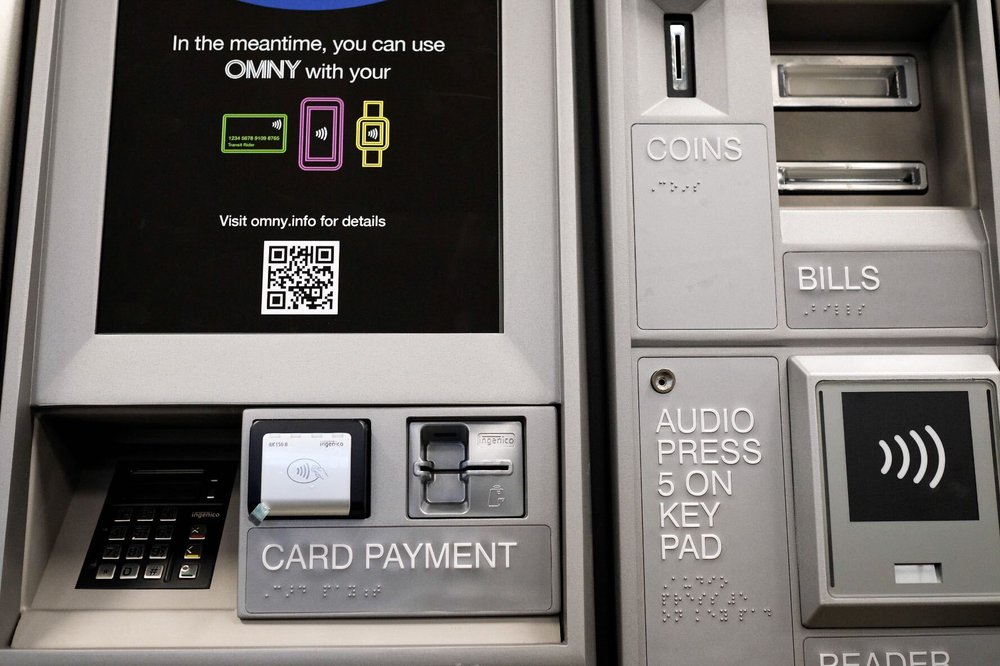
{"points": [[372, 134]]}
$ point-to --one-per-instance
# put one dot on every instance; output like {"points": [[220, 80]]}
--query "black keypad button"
{"points": [[117, 533], [164, 532], [158, 552], [105, 572], [123, 515], [153, 572], [168, 514], [145, 514], [130, 571], [198, 532], [111, 552], [192, 552], [135, 552], [188, 571], [140, 533]]}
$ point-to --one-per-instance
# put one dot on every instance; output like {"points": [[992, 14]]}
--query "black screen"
{"points": [[225, 156], [909, 456]]}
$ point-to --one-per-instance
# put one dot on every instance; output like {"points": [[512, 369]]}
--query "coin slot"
{"points": [[679, 31]]}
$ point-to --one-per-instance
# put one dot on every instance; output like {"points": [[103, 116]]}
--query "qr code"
{"points": [[301, 278]]}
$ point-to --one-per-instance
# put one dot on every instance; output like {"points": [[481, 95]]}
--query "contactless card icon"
{"points": [[372, 134], [254, 132], [321, 134]]}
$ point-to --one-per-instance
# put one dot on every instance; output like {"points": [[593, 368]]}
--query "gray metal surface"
{"points": [[418, 571], [702, 201], [714, 542], [469, 592], [885, 289], [862, 555], [932, 650], [732, 50]]}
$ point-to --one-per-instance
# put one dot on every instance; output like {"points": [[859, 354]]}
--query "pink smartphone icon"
{"points": [[321, 134]]}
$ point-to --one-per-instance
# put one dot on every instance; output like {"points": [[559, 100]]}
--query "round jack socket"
{"points": [[663, 381]]}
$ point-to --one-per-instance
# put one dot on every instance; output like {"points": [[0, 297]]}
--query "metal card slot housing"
{"points": [[844, 82]]}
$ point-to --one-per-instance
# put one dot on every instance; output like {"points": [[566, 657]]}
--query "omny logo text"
{"points": [[389, 556]]}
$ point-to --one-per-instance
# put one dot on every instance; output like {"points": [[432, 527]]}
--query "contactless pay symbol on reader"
{"points": [[909, 456], [904, 462], [306, 470]]}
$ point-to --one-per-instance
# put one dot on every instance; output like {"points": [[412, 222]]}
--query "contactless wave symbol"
{"points": [[322, 133], [373, 133], [905, 457], [276, 124], [306, 470]]}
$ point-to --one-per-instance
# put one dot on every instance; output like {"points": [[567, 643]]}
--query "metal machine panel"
{"points": [[934, 650], [943, 289], [703, 232], [895, 483], [714, 540], [400, 571]]}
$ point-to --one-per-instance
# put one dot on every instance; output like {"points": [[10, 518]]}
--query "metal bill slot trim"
{"points": [[839, 82], [856, 177]]}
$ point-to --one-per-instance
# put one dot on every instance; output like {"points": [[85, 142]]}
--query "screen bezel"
{"points": [[77, 366]]}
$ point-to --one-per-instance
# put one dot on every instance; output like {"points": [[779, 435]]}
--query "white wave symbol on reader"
{"points": [[904, 451], [306, 470]]}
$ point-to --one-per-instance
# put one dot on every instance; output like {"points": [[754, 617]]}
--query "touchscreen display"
{"points": [[280, 166]]}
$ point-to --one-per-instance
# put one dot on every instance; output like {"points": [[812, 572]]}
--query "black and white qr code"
{"points": [[301, 278]]}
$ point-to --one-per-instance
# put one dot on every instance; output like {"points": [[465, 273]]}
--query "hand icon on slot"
{"points": [[496, 497]]}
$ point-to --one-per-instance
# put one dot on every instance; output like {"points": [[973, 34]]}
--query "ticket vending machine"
{"points": [[801, 222], [294, 369]]}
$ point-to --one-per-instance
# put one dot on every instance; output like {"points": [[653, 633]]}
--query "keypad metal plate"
{"points": [[159, 518]]}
